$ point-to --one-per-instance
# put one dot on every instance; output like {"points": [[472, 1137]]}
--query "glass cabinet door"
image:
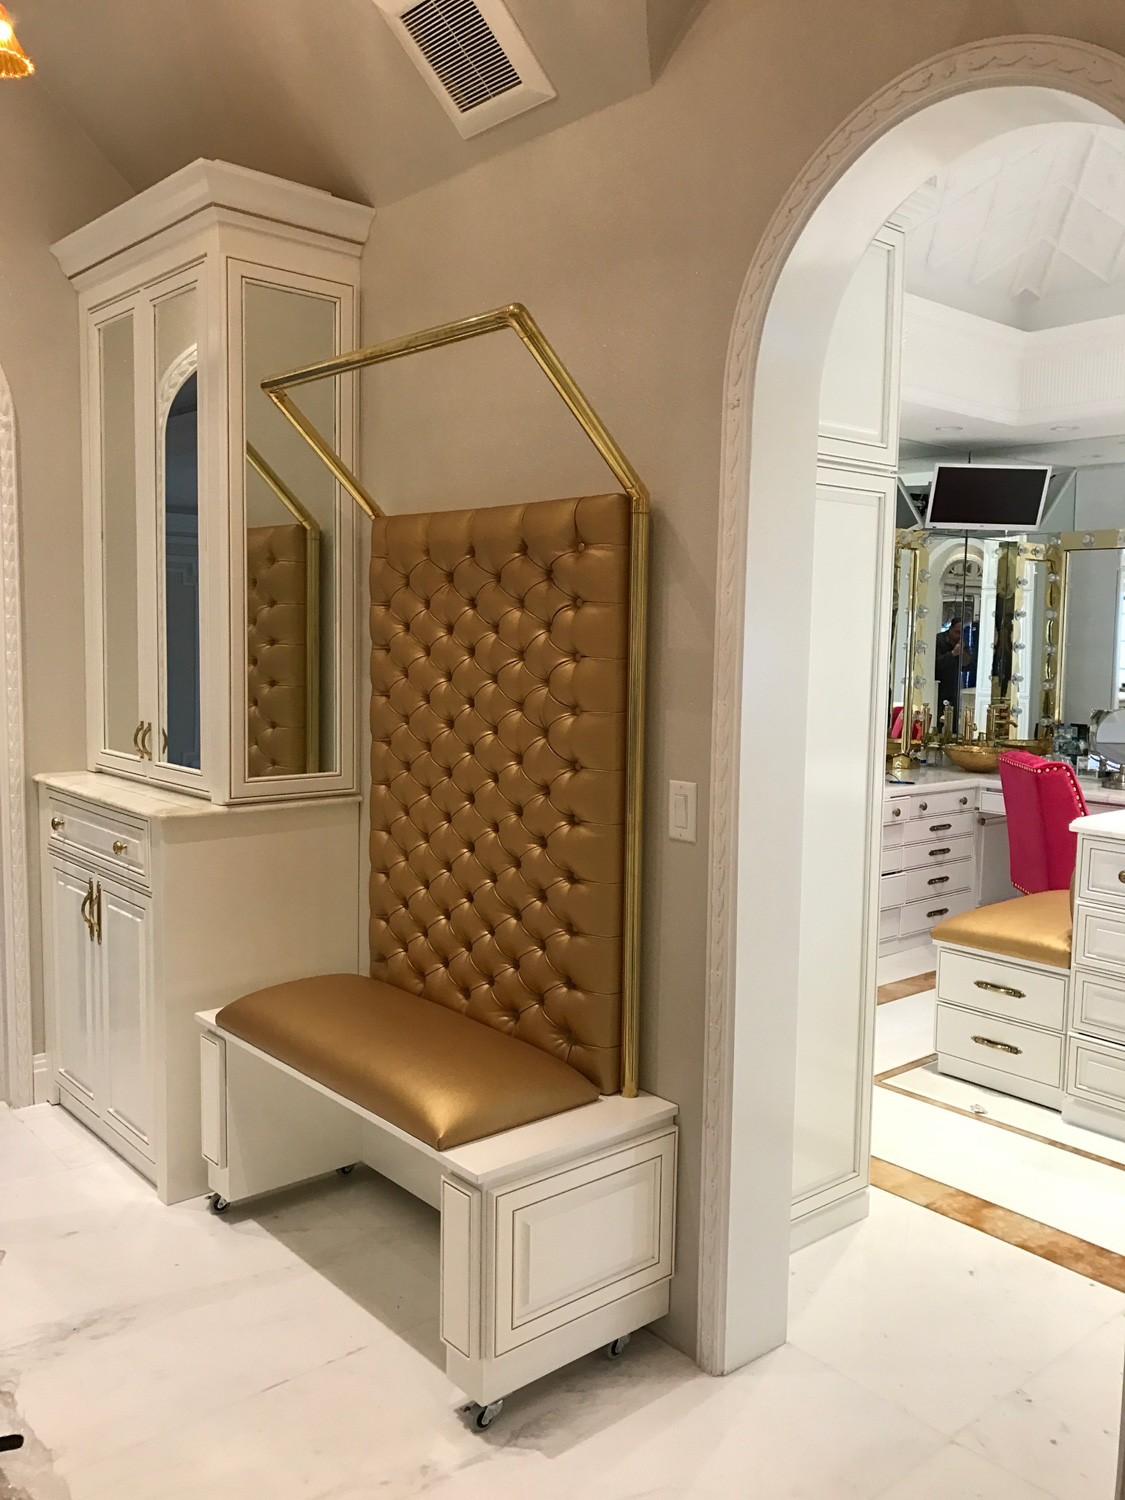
{"points": [[177, 530], [116, 465], [292, 540]]}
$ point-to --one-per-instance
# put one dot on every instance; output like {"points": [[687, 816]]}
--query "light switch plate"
{"points": [[681, 811]]}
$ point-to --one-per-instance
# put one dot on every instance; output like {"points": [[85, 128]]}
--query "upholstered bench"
{"points": [[1003, 976], [480, 1065]]}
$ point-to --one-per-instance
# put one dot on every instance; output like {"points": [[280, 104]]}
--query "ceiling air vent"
{"points": [[473, 56]]}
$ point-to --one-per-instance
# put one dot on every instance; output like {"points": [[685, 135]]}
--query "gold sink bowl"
{"points": [[974, 757]]}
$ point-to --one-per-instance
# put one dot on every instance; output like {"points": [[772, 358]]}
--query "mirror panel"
{"points": [[1092, 629], [292, 538], [177, 440], [118, 486]]}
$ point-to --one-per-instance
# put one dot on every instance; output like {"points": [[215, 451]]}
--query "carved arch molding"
{"points": [[1069, 66], [16, 1059]]}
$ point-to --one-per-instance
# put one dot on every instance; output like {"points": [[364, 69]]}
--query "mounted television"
{"points": [[987, 497]]}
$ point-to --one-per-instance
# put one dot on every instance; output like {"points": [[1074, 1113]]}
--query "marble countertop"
{"points": [[939, 778]]}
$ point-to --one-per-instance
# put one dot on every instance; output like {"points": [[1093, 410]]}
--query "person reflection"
{"points": [[953, 660]]}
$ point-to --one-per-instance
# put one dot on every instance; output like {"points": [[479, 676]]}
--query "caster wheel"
{"points": [[345, 1171], [486, 1415], [218, 1203], [617, 1348]]}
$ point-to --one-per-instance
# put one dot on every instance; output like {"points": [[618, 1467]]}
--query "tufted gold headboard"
{"points": [[278, 655], [499, 674]]}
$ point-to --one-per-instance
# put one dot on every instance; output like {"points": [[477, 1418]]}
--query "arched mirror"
{"points": [[178, 510]]}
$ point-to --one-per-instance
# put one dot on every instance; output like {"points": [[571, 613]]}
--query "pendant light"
{"points": [[14, 61]]}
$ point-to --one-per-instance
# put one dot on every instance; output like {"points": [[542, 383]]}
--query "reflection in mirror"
{"points": [[291, 541], [119, 533], [1092, 646]]}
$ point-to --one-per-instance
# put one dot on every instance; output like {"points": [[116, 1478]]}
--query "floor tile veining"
{"points": [[291, 1350]]}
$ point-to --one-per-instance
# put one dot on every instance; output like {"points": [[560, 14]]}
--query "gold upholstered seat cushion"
{"points": [[439, 1075], [1036, 929]]}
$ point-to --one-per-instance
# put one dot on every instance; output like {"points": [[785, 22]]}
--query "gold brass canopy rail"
{"points": [[517, 317]]}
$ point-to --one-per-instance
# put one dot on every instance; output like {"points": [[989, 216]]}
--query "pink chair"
{"points": [[1041, 800]]}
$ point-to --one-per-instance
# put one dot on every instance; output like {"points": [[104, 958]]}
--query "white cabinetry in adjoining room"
{"points": [[156, 905], [853, 552]]}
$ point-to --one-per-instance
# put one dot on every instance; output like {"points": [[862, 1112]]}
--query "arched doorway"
{"points": [[912, 129], [16, 1060]]}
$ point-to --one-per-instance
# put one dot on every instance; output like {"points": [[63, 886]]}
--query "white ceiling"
{"points": [[322, 94], [1029, 231]]}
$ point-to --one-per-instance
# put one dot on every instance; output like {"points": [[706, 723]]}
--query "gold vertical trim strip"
{"points": [[515, 316]]}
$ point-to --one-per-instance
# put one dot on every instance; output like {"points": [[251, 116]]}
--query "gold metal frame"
{"points": [[266, 472], [516, 317]]}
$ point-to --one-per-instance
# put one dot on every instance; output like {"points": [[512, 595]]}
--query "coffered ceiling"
{"points": [[320, 93]]}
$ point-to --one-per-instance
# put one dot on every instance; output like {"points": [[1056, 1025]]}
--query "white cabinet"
{"points": [[220, 553], [1095, 1061], [155, 905]]}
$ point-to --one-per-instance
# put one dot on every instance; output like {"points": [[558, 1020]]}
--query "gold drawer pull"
{"points": [[896, 812], [1121, 876], [934, 853], [940, 827], [938, 880], [987, 1041], [119, 846], [942, 911], [57, 823], [999, 989]]}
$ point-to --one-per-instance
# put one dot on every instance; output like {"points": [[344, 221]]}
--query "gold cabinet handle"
{"points": [[119, 846], [964, 801], [999, 989], [938, 880], [934, 853], [922, 806], [98, 911], [940, 827], [987, 1041], [57, 823], [137, 739], [896, 812], [1121, 876], [942, 911], [87, 910], [146, 748]]}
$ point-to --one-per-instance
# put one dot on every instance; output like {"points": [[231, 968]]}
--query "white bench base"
{"points": [[555, 1238]]}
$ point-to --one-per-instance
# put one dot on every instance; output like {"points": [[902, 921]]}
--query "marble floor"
{"points": [[291, 1351]]}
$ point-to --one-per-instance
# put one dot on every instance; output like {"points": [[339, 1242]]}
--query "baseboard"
{"points": [[824, 1221], [40, 1079]]}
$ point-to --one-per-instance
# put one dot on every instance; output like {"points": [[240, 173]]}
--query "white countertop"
{"points": [[1109, 825], [947, 778]]}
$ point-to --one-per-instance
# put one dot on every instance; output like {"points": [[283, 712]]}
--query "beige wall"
{"points": [[628, 235], [52, 179]]}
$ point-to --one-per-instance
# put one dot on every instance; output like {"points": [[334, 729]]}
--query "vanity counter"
{"points": [[950, 778]]}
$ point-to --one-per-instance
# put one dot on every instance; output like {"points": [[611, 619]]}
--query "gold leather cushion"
{"points": [[434, 1073], [498, 721], [277, 688], [1034, 928]]}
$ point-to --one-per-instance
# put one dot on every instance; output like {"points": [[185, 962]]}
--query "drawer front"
{"points": [[1002, 988], [892, 835], [1102, 876], [1099, 938], [940, 827], [115, 842], [944, 879], [891, 861], [920, 916], [1096, 1073], [942, 804], [895, 813], [992, 803], [1003, 1045], [1099, 1006], [892, 891], [888, 923], [939, 852]]}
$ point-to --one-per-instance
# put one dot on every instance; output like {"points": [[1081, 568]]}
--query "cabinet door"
{"points": [[126, 1100], [73, 975]]}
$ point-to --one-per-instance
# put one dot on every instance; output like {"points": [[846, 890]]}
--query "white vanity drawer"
{"points": [[940, 826], [1002, 988], [941, 851], [1099, 1006], [1096, 1072], [1102, 876], [1003, 1045], [895, 812], [1099, 938], [920, 916], [892, 835], [115, 842], [892, 891], [992, 803], [889, 920], [944, 879], [891, 861], [942, 803]]}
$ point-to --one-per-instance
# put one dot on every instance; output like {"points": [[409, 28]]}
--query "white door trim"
{"points": [[16, 1085], [753, 917]]}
